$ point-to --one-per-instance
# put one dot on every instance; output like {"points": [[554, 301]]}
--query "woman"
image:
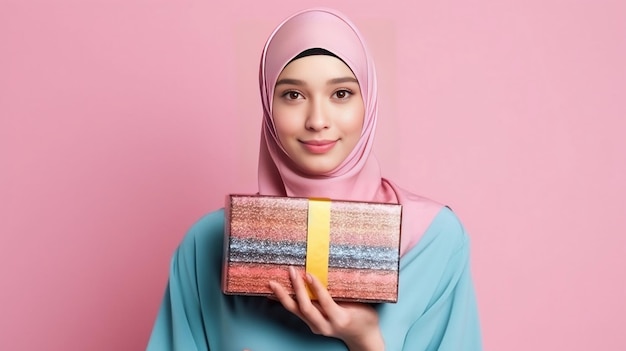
{"points": [[318, 88]]}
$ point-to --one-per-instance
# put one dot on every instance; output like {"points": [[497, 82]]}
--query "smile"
{"points": [[318, 146]]}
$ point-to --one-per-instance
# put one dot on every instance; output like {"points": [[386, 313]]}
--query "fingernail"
{"points": [[272, 285], [292, 273], [309, 278]]}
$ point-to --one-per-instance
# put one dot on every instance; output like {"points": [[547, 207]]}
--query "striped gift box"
{"points": [[355, 253]]}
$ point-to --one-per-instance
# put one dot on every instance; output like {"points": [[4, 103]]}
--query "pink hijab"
{"points": [[358, 177]]}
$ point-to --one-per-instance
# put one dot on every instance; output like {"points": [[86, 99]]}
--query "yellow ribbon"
{"points": [[318, 241]]}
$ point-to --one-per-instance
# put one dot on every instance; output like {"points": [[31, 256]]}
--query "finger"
{"points": [[327, 305], [309, 312], [284, 298], [299, 288]]}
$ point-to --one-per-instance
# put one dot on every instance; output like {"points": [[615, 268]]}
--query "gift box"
{"points": [[352, 247]]}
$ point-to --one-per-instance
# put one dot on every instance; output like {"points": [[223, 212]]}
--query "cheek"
{"points": [[283, 126], [358, 119]]}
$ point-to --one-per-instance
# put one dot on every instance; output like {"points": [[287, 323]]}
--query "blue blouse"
{"points": [[436, 307]]}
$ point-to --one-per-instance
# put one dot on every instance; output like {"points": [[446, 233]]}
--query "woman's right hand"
{"points": [[354, 323]]}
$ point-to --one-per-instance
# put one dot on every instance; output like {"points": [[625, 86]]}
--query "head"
{"points": [[318, 89]]}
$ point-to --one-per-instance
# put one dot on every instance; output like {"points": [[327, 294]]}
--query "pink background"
{"points": [[122, 122]]}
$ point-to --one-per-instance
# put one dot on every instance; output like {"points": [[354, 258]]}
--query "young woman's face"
{"points": [[318, 112]]}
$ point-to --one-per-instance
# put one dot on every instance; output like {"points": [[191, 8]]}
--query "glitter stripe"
{"points": [[293, 253], [252, 279], [351, 223]]}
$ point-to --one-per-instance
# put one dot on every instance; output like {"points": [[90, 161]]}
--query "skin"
{"points": [[318, 112], [318, 98]]}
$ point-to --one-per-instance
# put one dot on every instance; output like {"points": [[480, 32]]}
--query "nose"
{"points": [[317, 118]]}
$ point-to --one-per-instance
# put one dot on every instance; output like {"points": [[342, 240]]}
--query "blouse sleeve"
{"points": [[179, 324], [450, 323]]}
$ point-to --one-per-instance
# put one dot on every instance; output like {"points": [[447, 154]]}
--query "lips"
{"points": [[318, 146]]}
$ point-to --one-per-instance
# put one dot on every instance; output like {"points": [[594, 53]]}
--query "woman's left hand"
{"points": [[354, 323]]}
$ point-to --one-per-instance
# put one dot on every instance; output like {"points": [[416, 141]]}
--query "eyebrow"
{"points": [[343, 80], [291, 81]]}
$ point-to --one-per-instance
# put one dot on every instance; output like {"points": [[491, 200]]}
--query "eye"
{"points": [[343, 94], [292, 95]]}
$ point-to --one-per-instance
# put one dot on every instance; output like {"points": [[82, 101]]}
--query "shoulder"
{"points": [[447, 221], [207, 224], [444, 237], [204, 237], [428, 220]]}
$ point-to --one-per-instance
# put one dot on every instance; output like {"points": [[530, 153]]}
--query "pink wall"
{"points": [[121, 122]]}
